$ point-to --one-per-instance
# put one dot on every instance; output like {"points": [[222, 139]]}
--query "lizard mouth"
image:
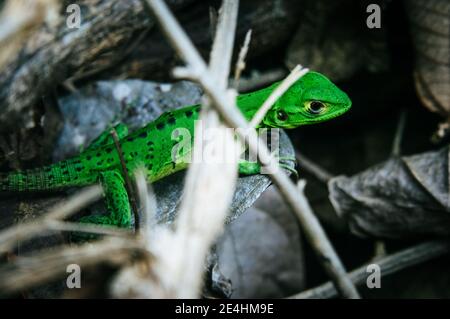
{"points": [[314, 120]]}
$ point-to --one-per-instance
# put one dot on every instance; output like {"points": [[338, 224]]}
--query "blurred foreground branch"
{"points": [[41, 226], [197, 70], [26, 272], [176, 271]]}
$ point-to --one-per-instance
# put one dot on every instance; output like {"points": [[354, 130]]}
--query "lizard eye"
{"points": [[315, 107], [282, 116]]}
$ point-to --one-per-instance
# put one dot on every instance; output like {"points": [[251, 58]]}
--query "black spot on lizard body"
{"points": [[172, 120]]}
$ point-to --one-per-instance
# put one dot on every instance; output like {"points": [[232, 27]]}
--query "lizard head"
{"points": [[312, 99]]}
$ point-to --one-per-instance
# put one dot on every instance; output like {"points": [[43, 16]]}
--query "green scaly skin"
{"points": [[311, 99]]}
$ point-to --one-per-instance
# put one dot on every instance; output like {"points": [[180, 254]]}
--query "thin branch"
{"points": [[26, 272], [222, 50], [397, 142], [212, 21], [148, 205], [55, 225], [179, 263], [198, 71], [388, 265], [198, 219], [23, 231], [240, 64], [126, 176], [308, 165], [260, 79]]}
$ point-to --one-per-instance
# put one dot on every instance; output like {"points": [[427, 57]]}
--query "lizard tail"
{"points": [[57, 176]]}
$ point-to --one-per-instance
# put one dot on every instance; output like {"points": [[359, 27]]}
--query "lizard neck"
{"points": [[249, 103]]}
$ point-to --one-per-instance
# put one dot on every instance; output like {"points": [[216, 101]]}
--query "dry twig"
{"points": [[308, 165], [198, 71], [397, 142], [179, 255], [26, 272], [260, 79], [388, 265], [148, 205], [240, 64], [41, 225]]}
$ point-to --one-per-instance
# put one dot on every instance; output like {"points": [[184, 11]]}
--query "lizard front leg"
{"points": [[252, 168], [249, 168], [117, 202]]}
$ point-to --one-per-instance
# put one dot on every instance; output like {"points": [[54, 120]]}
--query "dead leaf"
{"points": [[430, 31], [403, 197]]}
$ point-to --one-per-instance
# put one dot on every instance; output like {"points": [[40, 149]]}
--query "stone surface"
{"points": [[261, 251]]}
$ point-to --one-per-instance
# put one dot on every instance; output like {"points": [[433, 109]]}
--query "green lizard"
{"points": [[313, 98]]}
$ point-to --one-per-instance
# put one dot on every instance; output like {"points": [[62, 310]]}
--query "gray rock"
{"points": [[94, 108], [261, 251]]}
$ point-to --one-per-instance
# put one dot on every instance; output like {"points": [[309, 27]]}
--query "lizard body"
{"points": [[312, 99]]}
